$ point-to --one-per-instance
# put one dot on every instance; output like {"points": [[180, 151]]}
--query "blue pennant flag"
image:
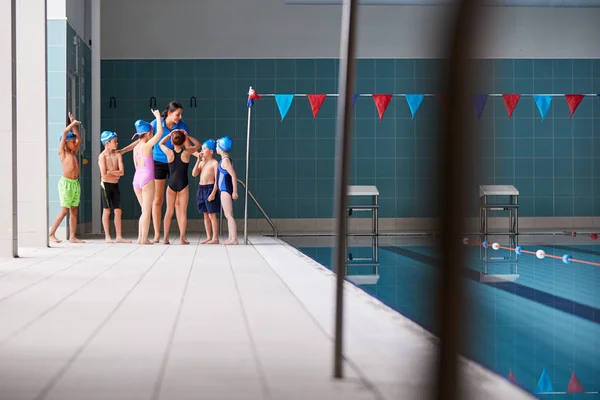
{"points": [[284, 101], [414, 101], [479, 103], [543, 104], [544, 385], [354, 99]]}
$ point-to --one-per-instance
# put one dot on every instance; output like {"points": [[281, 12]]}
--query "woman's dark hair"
{"points": [[172, 106]]}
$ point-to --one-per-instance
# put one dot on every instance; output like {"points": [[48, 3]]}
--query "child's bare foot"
{"points": [[108, 239], [123, 240], [213, 241], [75, 240], [146, 242], [184, 241], [156, 240], [166, 241], [205, 241], [54, 239], [230, 242]]}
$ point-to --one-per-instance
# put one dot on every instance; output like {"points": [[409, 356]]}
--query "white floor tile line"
{"points": [[27, 261], [165, 360], [261, 371], [62, 300], [61, 372], [71, 265]]}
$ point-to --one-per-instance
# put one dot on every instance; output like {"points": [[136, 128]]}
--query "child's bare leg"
{"points": [[106, 225], [215, 228], [227, 204], [73, 226], [59, 218], [146, 197], [159, 194], [138, 194], [208, 228], [171, 197], [118, 226], [181, 204]]}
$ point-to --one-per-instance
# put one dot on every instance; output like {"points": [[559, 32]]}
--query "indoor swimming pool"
{"points": [[534, 321]]}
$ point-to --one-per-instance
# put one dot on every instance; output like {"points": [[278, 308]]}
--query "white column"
{"points": [[8, 130], [96, 117], [32, 122]]}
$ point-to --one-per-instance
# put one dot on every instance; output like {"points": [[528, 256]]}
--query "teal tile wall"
{"points": [[57, 107], [81, 69], [62, 64], [553, 162]]}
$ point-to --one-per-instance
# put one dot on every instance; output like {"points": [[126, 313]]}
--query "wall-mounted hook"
{"points": [[152, 102], [112, 102], [193, 101]]}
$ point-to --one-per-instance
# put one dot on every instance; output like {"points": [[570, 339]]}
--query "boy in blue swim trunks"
{"points": [[206, 166], [69, 190]]}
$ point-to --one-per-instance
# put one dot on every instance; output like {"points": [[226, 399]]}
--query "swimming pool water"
{"points": [[547, 319]]}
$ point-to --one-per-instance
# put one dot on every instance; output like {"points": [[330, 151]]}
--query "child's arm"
{"points": [[213, 194], [102, 166], [159, 130], [76, 132], [121, 170], [63, 140], [227, 166], [197, 167], [129, 147], [196, 145], [165, 149]]}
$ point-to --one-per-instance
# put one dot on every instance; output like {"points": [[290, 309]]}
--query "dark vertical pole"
{"points": [[454, 167], [344, 122]]}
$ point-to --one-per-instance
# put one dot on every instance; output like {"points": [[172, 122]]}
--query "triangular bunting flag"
{"points": [[573, 101], [442, 100], [479, 103], [510, 101], [544, 385], [511, 377], [316, 101], [574, 385], [354, 99], [543, 104], [381, 102], [414, 101], [284, 101]]}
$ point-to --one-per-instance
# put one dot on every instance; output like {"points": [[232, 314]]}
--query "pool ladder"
{"points": [[275, 230]]}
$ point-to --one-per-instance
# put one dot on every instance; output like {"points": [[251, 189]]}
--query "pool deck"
{"points": [[119, 321]]}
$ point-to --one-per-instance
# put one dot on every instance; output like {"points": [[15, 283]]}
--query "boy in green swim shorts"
{"points": [[69, 190]]}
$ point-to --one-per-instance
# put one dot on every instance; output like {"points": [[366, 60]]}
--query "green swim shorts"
{"points": [[69, 192]]}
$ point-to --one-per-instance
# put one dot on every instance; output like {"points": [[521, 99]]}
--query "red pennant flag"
{"points": [[511, 377], [442, 100], [573, 101], [574, 385], [381, 102], [316, 101], [510, 101]]}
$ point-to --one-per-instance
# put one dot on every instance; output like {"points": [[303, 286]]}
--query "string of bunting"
{"points": [[382, 101]]}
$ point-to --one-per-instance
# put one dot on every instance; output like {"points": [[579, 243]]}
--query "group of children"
{"points": [[217, 187]]}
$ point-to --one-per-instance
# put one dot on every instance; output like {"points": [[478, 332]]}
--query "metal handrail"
{"points": [[275, 230]]}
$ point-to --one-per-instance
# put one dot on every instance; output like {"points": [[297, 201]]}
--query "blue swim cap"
{"points": [[211, 144], [225, 143], [70, 136], [107, 136], [141, 127]]}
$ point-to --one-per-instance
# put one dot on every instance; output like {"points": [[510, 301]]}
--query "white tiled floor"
{"points": [[99, 321]]}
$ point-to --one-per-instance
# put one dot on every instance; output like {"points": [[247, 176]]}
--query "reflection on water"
{"points": [[534, 320]]}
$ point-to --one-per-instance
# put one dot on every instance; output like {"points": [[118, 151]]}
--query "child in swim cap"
{"points": [[226, 184], [69, 189], [206, 167]]}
